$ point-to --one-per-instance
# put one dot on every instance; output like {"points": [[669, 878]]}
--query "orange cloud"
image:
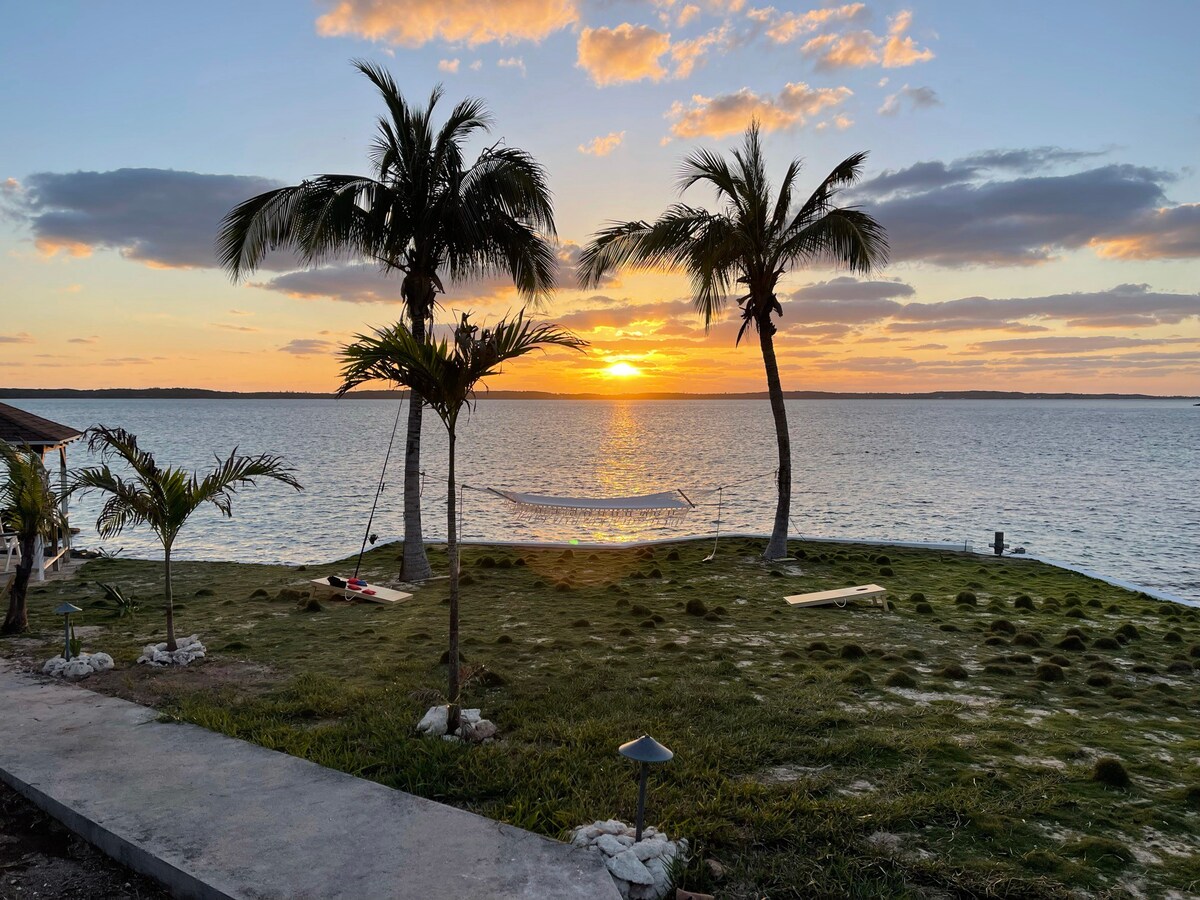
{"points": [[686, 54], [856, 49], [838, 51], [730, 113], [53, 246], [602, 146], [448, 65], [418, 22], [621, 54], [785, 27], [1171, 232], [900, 50]]}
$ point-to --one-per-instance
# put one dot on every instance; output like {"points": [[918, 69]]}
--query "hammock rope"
{"points": [[379, 489]]}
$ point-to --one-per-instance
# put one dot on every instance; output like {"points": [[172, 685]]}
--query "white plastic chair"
{"points": [[12, 546]]}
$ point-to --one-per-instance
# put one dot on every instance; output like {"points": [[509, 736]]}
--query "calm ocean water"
{"points": [[1111, 485]]}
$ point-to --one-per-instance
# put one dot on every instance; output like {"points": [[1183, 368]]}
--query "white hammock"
{"points": [[664, 507]]}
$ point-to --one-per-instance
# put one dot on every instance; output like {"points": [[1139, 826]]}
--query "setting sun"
{"points": [[622, 370]]}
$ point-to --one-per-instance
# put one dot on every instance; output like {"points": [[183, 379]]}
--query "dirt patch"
{"points": [[40, 858], [152, 686]]}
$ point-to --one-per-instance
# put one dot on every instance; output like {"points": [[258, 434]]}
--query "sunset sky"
{"points": [[1033, 163]]}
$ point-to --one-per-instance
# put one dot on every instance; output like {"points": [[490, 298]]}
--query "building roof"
{"points": [[20, 427]]}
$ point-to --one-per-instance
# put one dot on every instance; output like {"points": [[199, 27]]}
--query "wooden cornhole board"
{"points": [[381, 595], [841, 597]]}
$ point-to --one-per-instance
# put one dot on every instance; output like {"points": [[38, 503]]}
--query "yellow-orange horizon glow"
{"points": [[622, 370]]}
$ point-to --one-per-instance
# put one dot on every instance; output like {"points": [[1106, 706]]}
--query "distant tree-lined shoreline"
{"points": [[182, 393]]}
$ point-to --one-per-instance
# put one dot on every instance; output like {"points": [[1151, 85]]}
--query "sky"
{"points": [[1033, 164]]}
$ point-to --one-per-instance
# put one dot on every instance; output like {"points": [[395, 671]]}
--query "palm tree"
{"points": [[421, 212], [30, 507], [754, 239], [445, 376], [164, 498]]}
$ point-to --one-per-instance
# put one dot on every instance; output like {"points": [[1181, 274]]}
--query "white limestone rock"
{"points": [[77, 668], [472, 728], [648, 849], [80, 666], [434, 721], [626, 866], [610, 845], [631, 863], [188, 650]]}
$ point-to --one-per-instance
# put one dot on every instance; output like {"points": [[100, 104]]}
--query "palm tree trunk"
{"points": [[777, 546], [414, 564], [452, 552], [16, 620], [171, 645]]}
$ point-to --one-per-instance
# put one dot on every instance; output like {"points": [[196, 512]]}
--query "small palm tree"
{"points": [[165, 498], [445, 376], [756, 237], [422, 212], [30, 509]]}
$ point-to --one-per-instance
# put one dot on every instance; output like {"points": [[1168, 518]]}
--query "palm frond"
{"points": [[445, 374]]}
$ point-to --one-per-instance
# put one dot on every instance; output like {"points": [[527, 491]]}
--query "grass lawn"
{"points": [[946, 748]]}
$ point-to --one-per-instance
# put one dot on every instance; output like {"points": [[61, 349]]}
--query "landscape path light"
{"points": [[644, 750], [65, 610]]}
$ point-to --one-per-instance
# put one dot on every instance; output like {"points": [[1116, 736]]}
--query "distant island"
{"points": [[181, 393]]}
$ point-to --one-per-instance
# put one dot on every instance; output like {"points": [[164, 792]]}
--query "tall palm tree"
{"points": [[165, 498], [445, 376], [30, 508], [756, 237], [422, 212]]}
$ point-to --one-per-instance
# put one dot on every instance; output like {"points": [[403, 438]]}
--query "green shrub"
{"points": [[696, 607], [851, 651], [1110, 772], [953, 671], [1024, 601], [1128, 632], [1003, 626], [917, 597], [1072, 643], [1048, 671], [900, 679], [924, 609], [966, 598], [857, 678]]}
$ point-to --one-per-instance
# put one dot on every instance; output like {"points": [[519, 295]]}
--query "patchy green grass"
{"points": [[943, 748]]}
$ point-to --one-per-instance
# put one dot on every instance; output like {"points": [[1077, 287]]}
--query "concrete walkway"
{"points": [[215, 817]]}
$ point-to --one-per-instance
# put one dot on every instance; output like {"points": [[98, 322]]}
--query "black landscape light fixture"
{"points": [[644, 750], [65, 610]]}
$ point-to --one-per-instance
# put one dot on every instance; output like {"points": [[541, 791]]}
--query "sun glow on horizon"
{"points": [[622, 370]]}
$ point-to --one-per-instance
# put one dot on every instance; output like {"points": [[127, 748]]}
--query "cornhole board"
{"points": [[381, 595], [841, 597]]}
